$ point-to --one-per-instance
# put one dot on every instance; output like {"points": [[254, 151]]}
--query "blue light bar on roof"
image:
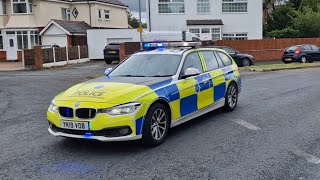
{"points": [[172, 45]]}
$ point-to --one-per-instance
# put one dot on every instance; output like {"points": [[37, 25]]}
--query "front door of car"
{"points": [[191, 88], [311, 54], [316, 52]]}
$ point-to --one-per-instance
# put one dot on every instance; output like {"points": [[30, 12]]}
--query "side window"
{"points": [[229, 51], [315, 47], [225, 59], [220, 63], [307, 47], [192, 61], [210, 59]]}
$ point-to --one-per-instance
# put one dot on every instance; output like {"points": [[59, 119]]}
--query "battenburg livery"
{"points": [[148, 93]]}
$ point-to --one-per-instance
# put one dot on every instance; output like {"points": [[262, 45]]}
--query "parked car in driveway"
{"points": [[240, 58], [111, 52], [301, 53]]}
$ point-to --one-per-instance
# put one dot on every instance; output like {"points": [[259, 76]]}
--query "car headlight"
{"points": [[121, 110], [53, 107]]}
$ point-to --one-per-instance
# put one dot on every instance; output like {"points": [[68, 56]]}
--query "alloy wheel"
{"points": [[232, 96], [158, 124]]}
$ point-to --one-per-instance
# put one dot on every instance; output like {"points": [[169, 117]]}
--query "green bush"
{"points": [[284, 33]]}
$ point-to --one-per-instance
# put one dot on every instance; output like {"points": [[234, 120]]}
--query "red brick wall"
{"points": [[3, 56], [266, 49]]}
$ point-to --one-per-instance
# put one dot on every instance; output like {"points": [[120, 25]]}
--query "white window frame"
{"points": [[104, 14], [234, 3], [203, 4], [235, 36], [68, 14], [214, 32], [28, 5], [171, 3], [196, 31]]}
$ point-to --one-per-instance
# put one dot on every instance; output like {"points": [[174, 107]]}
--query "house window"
{"points": [[21, 6], [235, 36], [22, 38], [1, 40], [195, 31], [34, 38], [171, 6], [99, 14], [215, 34], [203, 6], [66, 14], [106, 15], [205, 30], [3, 8], [231, 6]]}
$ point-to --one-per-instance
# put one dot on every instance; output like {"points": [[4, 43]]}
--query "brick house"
{"points": [[22, 20]]}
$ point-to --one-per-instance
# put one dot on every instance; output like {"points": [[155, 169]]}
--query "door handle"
{"points": [[205, 80]]}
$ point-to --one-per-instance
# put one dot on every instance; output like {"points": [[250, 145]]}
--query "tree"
{"points": [[281, 18], [296, 4], [134, 22], [308, 23]]}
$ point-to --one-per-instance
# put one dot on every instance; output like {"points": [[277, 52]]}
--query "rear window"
{"points": [[294, 48]]}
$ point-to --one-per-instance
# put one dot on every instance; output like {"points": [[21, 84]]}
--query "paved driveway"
{"points": [[273, 134]]}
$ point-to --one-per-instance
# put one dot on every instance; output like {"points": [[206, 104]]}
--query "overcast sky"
{"points": [[134, 8]]}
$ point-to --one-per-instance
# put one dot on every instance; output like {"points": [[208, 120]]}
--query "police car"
{"points": [[147, 94]]}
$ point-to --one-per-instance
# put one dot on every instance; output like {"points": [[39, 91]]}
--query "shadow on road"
{"points": [[132, 147]]}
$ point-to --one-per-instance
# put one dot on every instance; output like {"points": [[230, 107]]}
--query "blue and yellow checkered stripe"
{"points": [[193, 94]]}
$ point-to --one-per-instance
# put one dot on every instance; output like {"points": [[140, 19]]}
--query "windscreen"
{"points": [[148, 65]]}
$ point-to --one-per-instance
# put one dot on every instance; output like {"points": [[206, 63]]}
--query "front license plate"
{"points": [[75, 125], [112, 52], [288, 59]]}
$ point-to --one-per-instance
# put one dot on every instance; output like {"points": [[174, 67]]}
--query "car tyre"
{"points": [[231, 97], [156, 125], [108, 61], [245, 62]]}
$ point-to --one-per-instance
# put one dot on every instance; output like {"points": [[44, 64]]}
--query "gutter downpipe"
{"points": [[89, 11]]}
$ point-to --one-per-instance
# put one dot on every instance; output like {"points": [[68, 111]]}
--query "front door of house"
{"points": [[205, 34], [12, 47]]}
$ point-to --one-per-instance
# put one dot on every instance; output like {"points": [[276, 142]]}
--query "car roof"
{"points": [[174, 51]]}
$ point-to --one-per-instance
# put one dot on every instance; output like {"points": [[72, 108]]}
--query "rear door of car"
{"points": [[215, 67]]}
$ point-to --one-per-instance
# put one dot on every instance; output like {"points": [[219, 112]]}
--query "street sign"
{"points": [[139, 29]]}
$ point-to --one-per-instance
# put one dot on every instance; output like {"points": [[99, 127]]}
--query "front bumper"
{"points": [[99, 138]]}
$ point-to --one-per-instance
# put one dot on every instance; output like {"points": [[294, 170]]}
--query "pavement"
{"points": [[273, 134], [11, 66]]}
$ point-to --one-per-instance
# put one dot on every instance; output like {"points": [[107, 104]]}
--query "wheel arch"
{"points": [[163, 102]]}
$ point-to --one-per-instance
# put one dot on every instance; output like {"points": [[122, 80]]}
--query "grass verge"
{"points": [[277, 67]]}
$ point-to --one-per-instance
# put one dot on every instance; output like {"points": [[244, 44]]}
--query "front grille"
{"points": [[66, 112], [110, 132], [86, 113]]}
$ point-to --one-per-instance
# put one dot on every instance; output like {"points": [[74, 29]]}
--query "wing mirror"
{"points": [[190, 72], [107, 71]]}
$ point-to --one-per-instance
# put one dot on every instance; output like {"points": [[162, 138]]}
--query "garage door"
{"points": [[51, 40]]}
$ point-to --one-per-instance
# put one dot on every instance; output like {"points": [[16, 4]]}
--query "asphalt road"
{"points": [[273, 134]]}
